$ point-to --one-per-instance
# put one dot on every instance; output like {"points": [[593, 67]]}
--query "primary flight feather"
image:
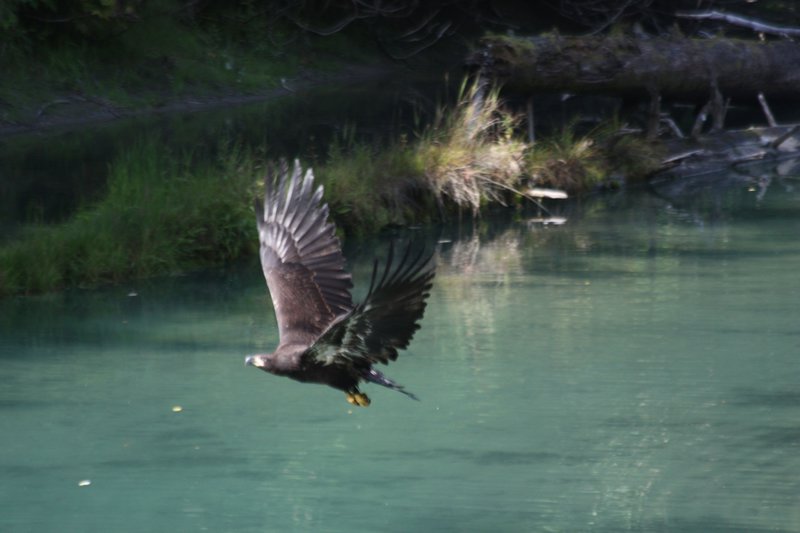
{"points": [[323, 337]]}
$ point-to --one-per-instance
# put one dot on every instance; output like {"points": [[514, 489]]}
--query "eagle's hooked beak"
{"points": [[254, 360]]}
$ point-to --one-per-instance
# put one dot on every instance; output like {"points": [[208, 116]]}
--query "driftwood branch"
{"points": [[731, 149], [48, 105], [767, 112], [744, 22], [780, 139], [673, 127]]}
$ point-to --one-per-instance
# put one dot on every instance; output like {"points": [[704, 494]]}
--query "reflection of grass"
{"points": [[157, 218]]}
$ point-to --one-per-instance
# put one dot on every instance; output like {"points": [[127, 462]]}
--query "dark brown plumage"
{"points": [[323, 337]]}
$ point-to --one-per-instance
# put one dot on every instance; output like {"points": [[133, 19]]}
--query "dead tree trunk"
{"points": [[676, 66]]}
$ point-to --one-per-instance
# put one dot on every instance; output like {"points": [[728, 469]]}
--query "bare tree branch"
{"points": [[737, 20], [334, 28]]}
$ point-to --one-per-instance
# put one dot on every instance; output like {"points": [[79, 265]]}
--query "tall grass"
{"points": [[567, 161], [160, 216], [370, 187], [580, 163], [467, 157], [471, 154]]}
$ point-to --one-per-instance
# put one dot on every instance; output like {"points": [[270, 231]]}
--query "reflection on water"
{"points": [[634, 369]]}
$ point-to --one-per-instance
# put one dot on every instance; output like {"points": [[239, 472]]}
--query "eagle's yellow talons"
{"points": [[362, 399], [358, 398]]}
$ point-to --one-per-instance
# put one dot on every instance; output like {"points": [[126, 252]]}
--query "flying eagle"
{"points": [[323, 337]]}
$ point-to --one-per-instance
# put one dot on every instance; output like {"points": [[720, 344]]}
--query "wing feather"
{"points": [[386, 320], [301, 255]]}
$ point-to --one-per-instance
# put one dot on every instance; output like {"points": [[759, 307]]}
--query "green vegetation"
{"points": [[69, 57], [369, 187], [579, 163], [567, 161], [159, 216], [471, 155], [467, 157], [165, 213]]}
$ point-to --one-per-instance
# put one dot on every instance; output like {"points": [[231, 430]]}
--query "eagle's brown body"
{"points": [[324, 337]]}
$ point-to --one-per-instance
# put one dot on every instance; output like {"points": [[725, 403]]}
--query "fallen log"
{"points": [[668, 66], [688, 158]]}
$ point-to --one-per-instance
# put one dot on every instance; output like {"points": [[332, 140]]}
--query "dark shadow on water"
{"points": [[711, 524], [779, 437], [758, 398], [494, 457]]}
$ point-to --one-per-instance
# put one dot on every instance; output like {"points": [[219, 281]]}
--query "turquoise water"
{"points": [[634, 369]]}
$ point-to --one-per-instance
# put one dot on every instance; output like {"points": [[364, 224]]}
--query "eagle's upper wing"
{"points": [[387, 319], [301, 256]]}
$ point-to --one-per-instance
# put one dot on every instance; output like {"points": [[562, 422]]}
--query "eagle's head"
{"points": [[265, 362], [282, 361]]}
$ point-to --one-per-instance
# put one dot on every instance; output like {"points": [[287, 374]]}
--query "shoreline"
{"points": [[74, 111]]}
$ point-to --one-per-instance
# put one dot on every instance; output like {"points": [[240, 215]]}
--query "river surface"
{"points": [[633, 369]]}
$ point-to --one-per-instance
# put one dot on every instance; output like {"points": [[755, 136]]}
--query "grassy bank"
{"points": [[63, 62], [160, 215], [169, 212]]}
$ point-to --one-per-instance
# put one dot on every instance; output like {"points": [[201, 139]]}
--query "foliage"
{"points": [[632, 157], [27, 23], [567, 161], [369, 187], [59, 56], [160, 216], [580, 163], [471, 154]]}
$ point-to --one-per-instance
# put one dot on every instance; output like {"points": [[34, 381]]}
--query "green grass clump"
{"points": [[160, 216], [580, 163], [567, 161], [369, 187], [635, 158]]}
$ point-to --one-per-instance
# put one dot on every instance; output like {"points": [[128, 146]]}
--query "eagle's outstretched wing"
{"points": [[301, 256], [387, 318]]}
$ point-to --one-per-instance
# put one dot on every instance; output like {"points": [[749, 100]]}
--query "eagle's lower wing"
{"points": [[387, 319], [301, 256]]}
